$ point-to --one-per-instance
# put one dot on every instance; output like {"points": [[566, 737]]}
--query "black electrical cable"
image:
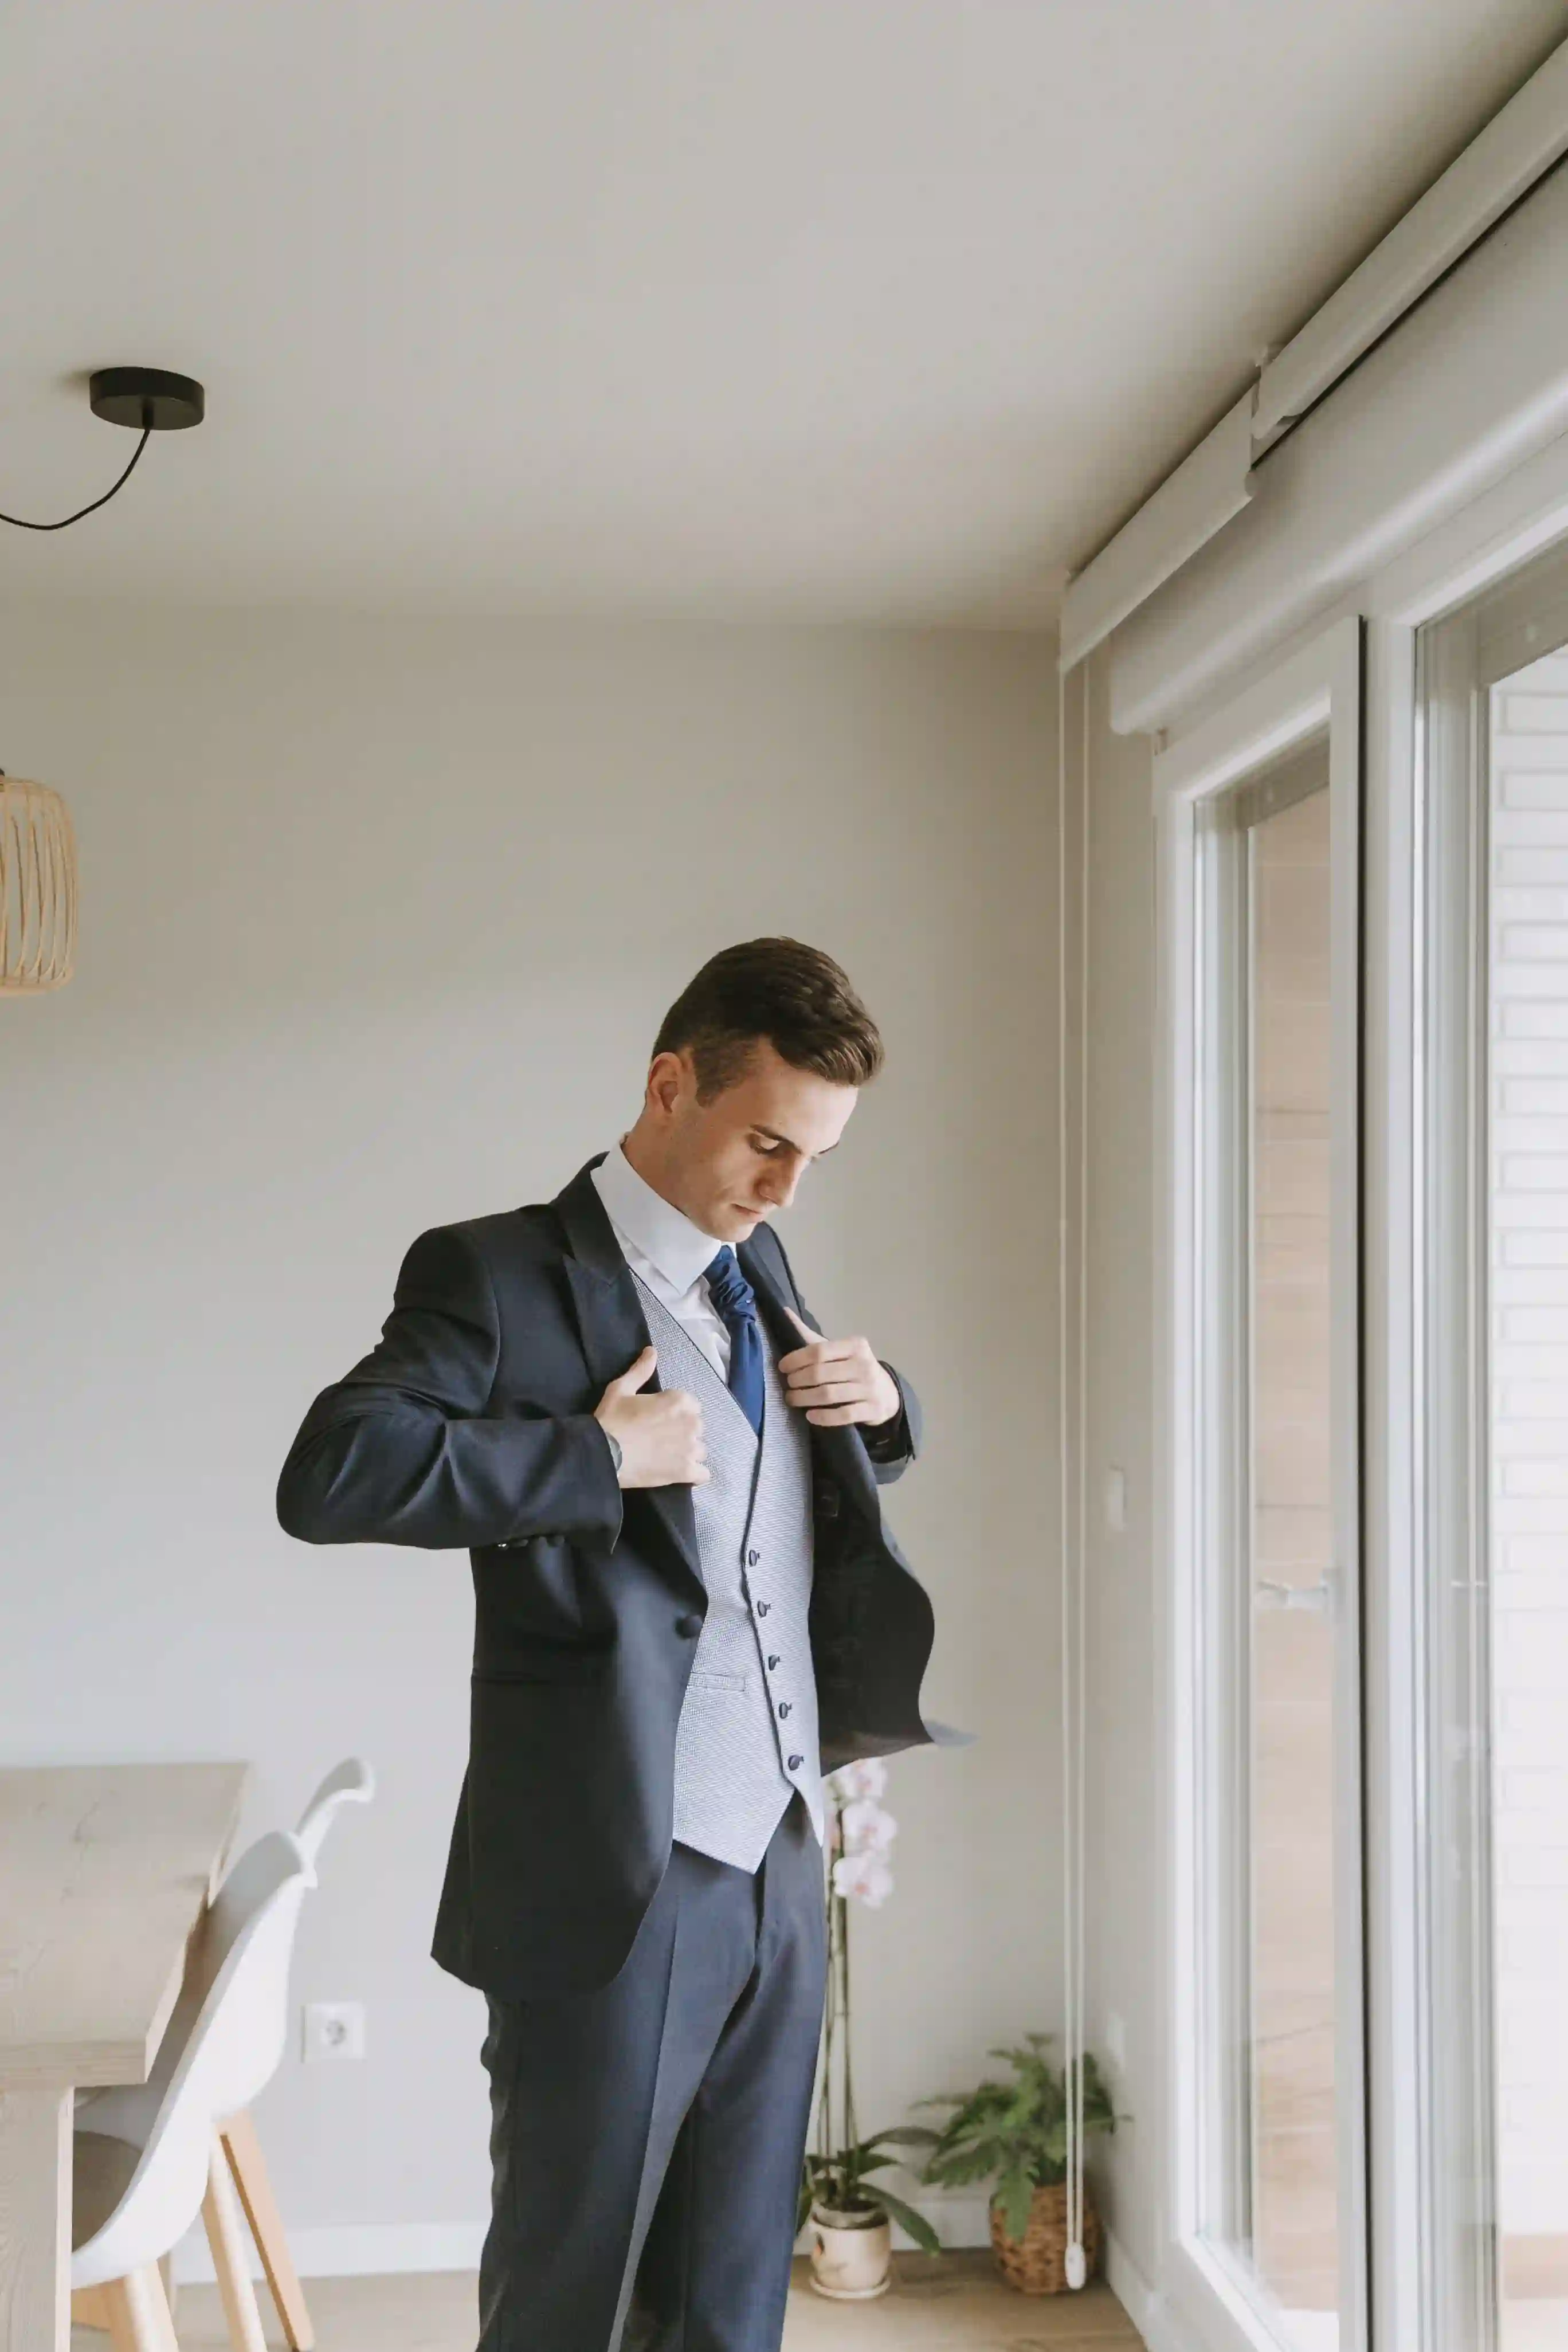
{"points": [[23, 525]]}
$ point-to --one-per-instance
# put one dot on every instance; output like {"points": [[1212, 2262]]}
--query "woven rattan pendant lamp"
{"points": [[38, 841], [37, 889]]}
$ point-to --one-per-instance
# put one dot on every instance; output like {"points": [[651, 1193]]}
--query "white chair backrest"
{"points": [[351, 1782], [127, 2113], [235, 2040]]}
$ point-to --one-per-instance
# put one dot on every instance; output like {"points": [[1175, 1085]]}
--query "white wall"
{"points": [[378, 919]]}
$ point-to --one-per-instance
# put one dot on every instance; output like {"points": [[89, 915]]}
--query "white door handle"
{"points": [[1316, 1600]]}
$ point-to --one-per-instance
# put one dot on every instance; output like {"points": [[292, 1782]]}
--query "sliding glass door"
{"points": [[1495, 703], [1260, 816]]}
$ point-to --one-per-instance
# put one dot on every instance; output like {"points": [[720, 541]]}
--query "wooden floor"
{"points": [[936, 2304]]}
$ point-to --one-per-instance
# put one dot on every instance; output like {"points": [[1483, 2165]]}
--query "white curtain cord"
{"points": [[1069, 1949], [1072, 1537], [1076, 2257]]}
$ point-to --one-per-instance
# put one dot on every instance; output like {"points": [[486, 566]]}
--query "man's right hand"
{"points": [[660, 1436]]}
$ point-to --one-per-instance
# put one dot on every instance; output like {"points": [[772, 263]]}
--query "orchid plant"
{"points": [[835, 2175]]}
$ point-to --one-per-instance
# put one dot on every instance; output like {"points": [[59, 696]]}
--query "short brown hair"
{"points": [[794, 996]]}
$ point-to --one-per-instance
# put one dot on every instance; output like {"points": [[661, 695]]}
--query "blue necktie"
{"points": [[736, 1303]]}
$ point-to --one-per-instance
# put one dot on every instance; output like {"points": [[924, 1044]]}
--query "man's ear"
{"points": [[663, 1078]]}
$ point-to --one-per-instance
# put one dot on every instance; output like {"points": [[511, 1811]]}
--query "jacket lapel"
{"points": [[842, 1447], [614, 1330]]}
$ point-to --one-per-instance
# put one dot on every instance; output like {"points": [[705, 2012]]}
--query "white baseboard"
{"points": [[380, 2250], [1147, 2309], [367, 2250], [955, 2217], [958, 2218]]}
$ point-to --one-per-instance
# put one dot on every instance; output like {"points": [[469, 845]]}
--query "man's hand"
{"points": [[835, 1381], [660, 1436]]}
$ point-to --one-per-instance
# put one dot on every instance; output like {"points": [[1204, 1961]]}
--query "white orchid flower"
{"points": [[864, 1878], [867, 1777], [867, 1828]]}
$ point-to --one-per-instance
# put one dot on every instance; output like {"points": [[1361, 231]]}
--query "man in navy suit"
{"points": [[688, 1609]]}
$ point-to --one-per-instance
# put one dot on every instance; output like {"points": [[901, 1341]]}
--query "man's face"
{"points": [[729, 1163]]}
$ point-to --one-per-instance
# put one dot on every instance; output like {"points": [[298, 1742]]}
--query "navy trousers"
{"points": [[647, 2137]]}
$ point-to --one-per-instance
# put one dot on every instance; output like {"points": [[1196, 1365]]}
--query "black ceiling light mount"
{"points": [[151, 400], [148, 400]]}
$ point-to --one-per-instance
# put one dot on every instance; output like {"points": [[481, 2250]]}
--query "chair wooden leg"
{"points": [[89, 2306], [137, 2311], [226, 2236], [255, 2184]]}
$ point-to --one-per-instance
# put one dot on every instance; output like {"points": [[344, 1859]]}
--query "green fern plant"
{"points": [[1015, 2133]]}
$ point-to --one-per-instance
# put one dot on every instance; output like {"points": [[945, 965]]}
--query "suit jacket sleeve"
{"points": [[404, 1449], [894, 1444]]}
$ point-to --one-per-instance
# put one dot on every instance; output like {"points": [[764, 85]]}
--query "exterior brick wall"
{"points": [[1528, 1154]]}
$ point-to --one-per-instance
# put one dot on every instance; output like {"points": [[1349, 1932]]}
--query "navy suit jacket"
{"points": [[471, 1426]]}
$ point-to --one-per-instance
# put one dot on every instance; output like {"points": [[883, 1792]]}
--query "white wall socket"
{"points": [[333, 2029]]}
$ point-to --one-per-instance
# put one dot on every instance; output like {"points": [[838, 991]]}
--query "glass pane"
{"points": [[1528, 1565], [1292, 1826], [1278, 1741]]}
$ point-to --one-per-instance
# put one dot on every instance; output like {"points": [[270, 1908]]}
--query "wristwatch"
{"points": [[614, 1444]]}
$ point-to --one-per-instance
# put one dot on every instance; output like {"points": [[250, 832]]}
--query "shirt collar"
{"points": [[664, 1234]]}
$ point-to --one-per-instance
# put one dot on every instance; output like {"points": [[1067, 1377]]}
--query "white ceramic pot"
{"points": [[851, 2254]]}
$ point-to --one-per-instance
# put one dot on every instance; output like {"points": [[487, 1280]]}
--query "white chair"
{"points": [[351, 1782], [129, 2112], [152, 2159]]}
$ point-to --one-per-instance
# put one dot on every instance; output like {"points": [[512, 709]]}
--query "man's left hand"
{"points": [[838, 1380]]}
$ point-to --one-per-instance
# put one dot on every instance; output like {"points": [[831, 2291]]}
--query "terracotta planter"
{"points": [[851, 2254], [1037, 2262]]}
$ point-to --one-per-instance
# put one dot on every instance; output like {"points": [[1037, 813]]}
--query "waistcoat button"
{"points": [[762, 1608], [795, 1762], [783, 1707], [772, 1661], [752, 1558]]}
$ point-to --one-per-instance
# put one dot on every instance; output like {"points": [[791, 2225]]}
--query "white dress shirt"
{"points": [[662, 1246]]}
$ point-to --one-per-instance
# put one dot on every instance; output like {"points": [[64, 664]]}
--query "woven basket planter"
{"points": [[1037, 2262]]}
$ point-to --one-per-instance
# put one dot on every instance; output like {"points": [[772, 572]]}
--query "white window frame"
{"points": [[1399, 578], [1315, 691], [1509, 523], [1495, 635]]}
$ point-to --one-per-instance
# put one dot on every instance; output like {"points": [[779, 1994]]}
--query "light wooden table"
{"points": [[105, 1870]]}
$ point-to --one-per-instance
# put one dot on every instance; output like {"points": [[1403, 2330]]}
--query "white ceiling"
{"points": [[815, 309]]}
